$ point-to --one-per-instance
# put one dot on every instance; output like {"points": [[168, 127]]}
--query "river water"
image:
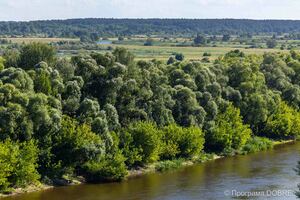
{"points": [[264, 175]]}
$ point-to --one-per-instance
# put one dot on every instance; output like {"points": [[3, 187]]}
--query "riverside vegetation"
{"points": [[97, 116]]}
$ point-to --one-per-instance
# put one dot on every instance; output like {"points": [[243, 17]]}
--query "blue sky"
{"points": [[63, 9]]}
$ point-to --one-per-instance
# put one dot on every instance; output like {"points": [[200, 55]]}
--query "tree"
{"points": [[146, 140], [2, 60], [200, 40], [226, 38], [179, 56], [76, 144], [181, 142], [123, 56], [171, 60], [271, 43], [283, 123], [18, 163], [34, 53], [12, 57], [229, 132], [187, 111], [149, 42]]}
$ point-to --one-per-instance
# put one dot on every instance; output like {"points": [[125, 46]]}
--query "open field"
{"points": [[26, 40], [191, 53], [161, 49]]}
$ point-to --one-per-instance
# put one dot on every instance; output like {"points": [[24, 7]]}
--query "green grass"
{"points": [[191, 53], [169, 165]]}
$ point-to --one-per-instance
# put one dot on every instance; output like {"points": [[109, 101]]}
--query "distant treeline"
{"points": [[178, 27]]}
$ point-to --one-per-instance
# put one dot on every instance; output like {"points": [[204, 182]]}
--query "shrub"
{"points": [[229, 132], [76, 144], [181, 142], [256, 144], [168, 165], [110, 168], [284, 123], [143, 141], [179, 56], [192, 142], [18, 164], [206, 54]]}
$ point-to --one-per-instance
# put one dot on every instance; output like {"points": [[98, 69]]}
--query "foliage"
{"points": [[256, 144], [181, 142], [18, 163], [89, 28], [271, 43], [146, 139], [107, 169], [34, 53], [168, 165], [2, 61], [284, 123], [179, 56], [98, 115], [200, 40], [229, 132], [76, 144]]}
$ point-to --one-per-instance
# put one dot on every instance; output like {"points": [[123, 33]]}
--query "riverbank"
{"points": [[151, 168], [28, 189], [162, 166]]}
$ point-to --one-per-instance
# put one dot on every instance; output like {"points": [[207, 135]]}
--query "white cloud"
{"points": [[57, 9]]}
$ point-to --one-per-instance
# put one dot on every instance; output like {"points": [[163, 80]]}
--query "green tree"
{"points": [[284, 123], [18, 163], [146, 139], [149, 42], [34, 53], [123, 56], [76, 144], [200, 40], [229, 132], [271, 43], [226, 38], [2, 61], [12, 57], [179, 56]]}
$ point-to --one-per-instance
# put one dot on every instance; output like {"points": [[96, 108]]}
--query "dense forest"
{"points": [[178, 27], [100, 115]]}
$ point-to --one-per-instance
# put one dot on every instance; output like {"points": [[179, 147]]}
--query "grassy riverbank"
{"points": [[167, 165]]}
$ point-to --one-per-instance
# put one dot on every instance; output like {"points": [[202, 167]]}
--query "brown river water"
{"points": [[263, 175]]}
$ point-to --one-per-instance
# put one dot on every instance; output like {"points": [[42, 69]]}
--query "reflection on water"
{"points": [[271, 170]]}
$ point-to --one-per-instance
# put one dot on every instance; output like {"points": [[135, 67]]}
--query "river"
{"points": [[264, 175]]}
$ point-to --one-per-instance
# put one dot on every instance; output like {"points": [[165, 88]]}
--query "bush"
{"points": [[206, 54], [192, 142], [257, 144], [76, 144], [18, 162], [110, 168], [34, 53], [142, 143], [181, 142], [168, 165], [179, 56], [229, 132], [284, 123]]}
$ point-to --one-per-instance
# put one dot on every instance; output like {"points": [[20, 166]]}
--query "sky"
{"points": [[25, 10]]}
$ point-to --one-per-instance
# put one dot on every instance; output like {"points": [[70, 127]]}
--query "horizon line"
{"points": [[146, 18]]}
